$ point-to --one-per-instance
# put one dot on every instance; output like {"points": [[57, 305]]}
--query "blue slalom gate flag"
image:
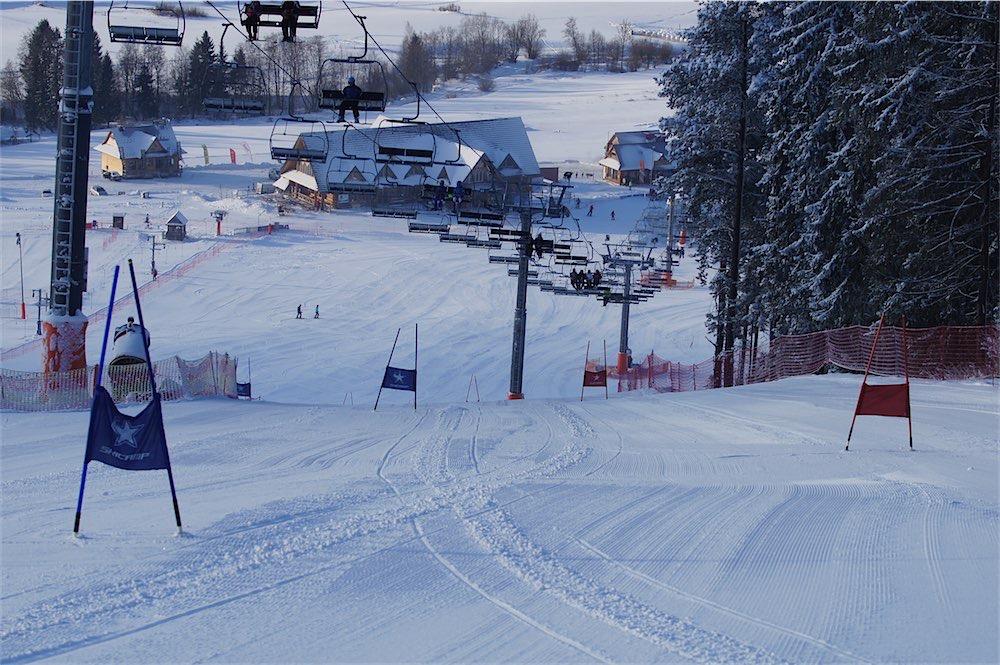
{"points": [[134, 443], [400, 379]]}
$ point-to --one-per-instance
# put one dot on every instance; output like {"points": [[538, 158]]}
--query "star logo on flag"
{"points": [[125, 433], [399, 378]]}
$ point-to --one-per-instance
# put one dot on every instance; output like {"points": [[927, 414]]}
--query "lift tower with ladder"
{"points": [[65, 328]]}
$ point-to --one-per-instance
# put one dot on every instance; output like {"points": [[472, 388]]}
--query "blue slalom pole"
{"points": [[152, 384], [100, 375]]}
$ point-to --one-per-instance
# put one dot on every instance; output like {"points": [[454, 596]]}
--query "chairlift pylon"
{"points": [[138, 23]]}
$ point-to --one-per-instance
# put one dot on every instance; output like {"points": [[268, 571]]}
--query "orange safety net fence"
{"points": [[210, 376], [942, 353]]}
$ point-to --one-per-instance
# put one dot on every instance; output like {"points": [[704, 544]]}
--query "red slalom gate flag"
{"points": [[890, 400], [595, 379], [232, 155]]}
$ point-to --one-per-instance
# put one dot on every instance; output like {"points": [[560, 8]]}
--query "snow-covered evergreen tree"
{"points": [[871, 155], [717, 127]]}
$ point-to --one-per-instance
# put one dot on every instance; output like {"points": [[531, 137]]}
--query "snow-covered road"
{"points": [[725, 525]]}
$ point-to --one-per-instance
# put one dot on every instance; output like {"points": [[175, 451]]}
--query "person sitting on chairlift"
{"points": [[597, 278], [538, 245], [289, 19], [439, 193], [352, 93], [459, 194], [252, 20], [574, 279], [589, 279]]}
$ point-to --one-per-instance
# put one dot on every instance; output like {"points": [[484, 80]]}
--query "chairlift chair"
{"points": [[229, 87], [271, 16], [297, 137], [235, 89], [143, 23], [374, 99]]}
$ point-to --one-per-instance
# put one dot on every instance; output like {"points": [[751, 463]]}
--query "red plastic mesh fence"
{"points": [[944, 352], [176, 378]]}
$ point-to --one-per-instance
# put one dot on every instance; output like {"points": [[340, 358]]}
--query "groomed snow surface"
{"points": [[723, 526]]}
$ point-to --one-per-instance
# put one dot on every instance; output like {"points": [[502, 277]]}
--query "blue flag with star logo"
{"points": [[400, 379], [134, 443]]}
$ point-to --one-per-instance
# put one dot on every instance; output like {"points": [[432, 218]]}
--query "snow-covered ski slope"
{"points": [[718, 526], [723, 526]]}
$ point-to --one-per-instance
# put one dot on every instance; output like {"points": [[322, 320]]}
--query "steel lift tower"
{"points": [[65, 327]]}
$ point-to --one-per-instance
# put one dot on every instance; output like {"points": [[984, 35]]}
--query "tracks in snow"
{"points": [[493, 529]]}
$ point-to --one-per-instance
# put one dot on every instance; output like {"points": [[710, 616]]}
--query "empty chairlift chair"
{"points": [[144, 23], [298, 138], [233, 89]]}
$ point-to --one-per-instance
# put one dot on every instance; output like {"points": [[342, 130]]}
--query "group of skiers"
{"points": [[298, 312], [581, 280], [290, 11], [441, 192]]}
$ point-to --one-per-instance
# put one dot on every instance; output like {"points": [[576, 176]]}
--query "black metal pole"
{"points": [[152, 385], [20, 265], [521, 308], [416, 347], [379, 396]]}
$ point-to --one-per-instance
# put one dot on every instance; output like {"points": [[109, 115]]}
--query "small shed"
{"points": [[176, 227]]}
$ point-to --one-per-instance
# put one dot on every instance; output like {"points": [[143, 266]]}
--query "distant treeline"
{"points": [[148, 81]]}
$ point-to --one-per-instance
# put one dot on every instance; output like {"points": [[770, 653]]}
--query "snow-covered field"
{"points": [[716, 526]]}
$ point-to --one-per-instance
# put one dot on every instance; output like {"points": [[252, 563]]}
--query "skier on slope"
{"points": [[590, 211], [316, 315], [298, 312]]}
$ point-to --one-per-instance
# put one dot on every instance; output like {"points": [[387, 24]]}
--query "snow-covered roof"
{"points": [[409, 154], [134, 141], [178, 218], [634, 157], [611, 163], [642, 136]]}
